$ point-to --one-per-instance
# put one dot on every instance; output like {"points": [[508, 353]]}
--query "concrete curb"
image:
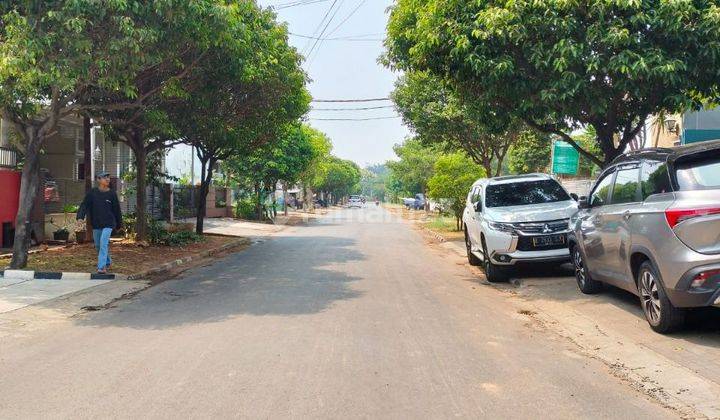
{"points": [[181, 261], [52, 275], [55, 275]]}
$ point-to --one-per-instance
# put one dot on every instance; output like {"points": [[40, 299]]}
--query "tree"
{"points": [[313, 175], [561, 66], [341, 177], [374, 181], [244, 95], [138, 117], [415, 166], [282, 159], [530, 153], [53, 53], [437, 115], [454, 175]]}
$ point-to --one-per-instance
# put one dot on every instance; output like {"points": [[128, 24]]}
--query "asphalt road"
{"points": [[353, 316]]}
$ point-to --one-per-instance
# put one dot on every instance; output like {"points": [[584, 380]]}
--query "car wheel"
{"points": [[585, 283], [472, 258], [660, 313], [493, 273]]}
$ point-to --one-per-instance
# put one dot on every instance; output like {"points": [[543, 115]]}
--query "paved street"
{"points": [[352, 316]]}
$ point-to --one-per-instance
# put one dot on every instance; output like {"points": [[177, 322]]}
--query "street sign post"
{"points": [[565, 158]]}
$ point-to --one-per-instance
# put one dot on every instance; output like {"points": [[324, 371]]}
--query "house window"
{"points": [[81, 171]]}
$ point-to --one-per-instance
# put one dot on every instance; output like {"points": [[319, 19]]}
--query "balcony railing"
{"points": [[8, 158]]}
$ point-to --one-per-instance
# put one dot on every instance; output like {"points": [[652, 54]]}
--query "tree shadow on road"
{"points": [[287, 276]]}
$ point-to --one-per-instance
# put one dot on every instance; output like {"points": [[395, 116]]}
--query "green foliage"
{"points": [[454, 175], [586, 140], [71, 208], [373, 182], [245, 209], [561, 65], [530, 153], [158, 234], [410, 174], [340, 177], [284, 158], [432, 108]]}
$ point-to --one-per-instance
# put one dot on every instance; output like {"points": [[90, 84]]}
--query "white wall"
{"points": [[178, 162]]}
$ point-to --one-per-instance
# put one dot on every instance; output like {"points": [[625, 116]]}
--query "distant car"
{"points": [[651, 226], [415, 203], [355, 201], [516, 219]]}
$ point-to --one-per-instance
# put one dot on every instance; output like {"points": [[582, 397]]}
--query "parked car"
{"points": [[516, 219], [355, 201], [651, 225], [415, 203]]}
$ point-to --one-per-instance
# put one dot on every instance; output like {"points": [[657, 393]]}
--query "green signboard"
{"points": [[564, 158]]}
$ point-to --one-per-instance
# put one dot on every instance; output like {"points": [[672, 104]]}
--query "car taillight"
{"points": [[700, 279], [675, 216]]}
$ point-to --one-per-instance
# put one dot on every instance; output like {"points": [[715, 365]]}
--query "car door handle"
{"points": [[627, 214]]}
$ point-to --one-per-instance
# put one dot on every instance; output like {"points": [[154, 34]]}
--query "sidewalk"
{"points": [[18, 293]]}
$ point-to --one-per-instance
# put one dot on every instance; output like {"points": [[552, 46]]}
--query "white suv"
{"points": [[515, 219]]}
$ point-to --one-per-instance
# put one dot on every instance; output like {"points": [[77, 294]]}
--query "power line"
{"points": [[338, 39], [354, 119], [352, 100], [288, 5], [327, 13], [354, 109], [347, 17], [319, 40]]}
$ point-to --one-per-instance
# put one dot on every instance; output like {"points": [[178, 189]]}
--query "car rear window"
{"points": [[524, 193], [701, 173]]}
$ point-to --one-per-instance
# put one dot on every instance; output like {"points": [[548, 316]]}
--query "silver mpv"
{"points": [[651, 225]]}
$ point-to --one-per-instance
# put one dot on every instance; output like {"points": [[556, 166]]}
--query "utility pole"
{"points": [[192, 165], [87, 168]]}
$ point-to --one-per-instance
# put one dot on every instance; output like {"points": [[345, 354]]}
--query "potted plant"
{"points": [[80, 231], [61, 234]]}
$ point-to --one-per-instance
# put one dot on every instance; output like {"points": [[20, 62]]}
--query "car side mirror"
{"points": [[583, 203], [478, 207], [574, 196]]}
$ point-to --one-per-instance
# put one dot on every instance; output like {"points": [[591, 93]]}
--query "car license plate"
{"points": [[549, 240]]}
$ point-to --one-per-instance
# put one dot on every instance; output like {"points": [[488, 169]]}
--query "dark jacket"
{"points": [[103, 208]]}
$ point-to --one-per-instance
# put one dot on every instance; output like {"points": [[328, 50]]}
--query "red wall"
{"points": [[9, 197]]}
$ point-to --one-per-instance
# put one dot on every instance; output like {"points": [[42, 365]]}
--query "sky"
{"points": [[346, 69]]}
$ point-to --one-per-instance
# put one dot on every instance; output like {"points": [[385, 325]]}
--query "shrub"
{"points": [[245, 209]]}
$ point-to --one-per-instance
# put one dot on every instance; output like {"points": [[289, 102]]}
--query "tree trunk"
{"points": [[141, 185], [205, 179], [258, 204], [498, 167], [285, 197], [29, 184], [487, 165], [308, 199]]}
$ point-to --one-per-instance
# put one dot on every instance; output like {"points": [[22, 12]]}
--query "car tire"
{"points": [[582, 276], [493, 273], [472, 258], [659, 312]]}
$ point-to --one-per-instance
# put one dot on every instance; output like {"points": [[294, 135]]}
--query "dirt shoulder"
{"points": [[128, 257], [444, 226]]}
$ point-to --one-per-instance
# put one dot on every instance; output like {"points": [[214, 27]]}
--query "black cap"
{"points": [[102, 174]]}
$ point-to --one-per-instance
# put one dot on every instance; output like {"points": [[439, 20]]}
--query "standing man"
{"points": [[101, 204]]}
